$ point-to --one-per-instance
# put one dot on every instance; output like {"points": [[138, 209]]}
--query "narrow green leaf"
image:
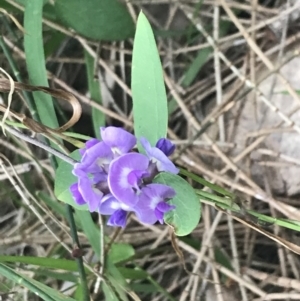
{"points": [[99, 20], [146, 288], [191, 74], [40, 289], [118, 285], [133, 274], [56, 275], [185, 217], [205, 183], [64, 179], [35, 60], [148, 90], [98, 117], [228, 203], [196, 66], [50, 263], [90, 229]]}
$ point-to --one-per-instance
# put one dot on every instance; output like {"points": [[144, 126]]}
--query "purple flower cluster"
{"points": [[113, 180]]}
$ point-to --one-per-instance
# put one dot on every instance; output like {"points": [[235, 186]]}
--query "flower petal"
{"points": [[118, 139], [159, 215], [109, 205], [165, 207], [76, 194], [98, 155], [166, 146], [118, 218], [120, 177], [152, 195], [94, 161], [90, 194], [163, 163], [88, 145]]}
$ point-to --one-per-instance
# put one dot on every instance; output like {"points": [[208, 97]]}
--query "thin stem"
{"points": [[79, 261], [41, 145]]}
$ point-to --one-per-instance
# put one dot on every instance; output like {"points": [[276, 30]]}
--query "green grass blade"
{"points": [[205, 183], [35, 60], [90, 229], [40, 289], [51, 263]]}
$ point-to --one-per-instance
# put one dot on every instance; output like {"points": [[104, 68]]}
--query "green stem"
{"points": [[79, 261]]}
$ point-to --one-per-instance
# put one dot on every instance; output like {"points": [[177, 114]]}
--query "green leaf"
{"points": [[35, 60], [120, 252], [90, 229], [133, 274], [205, 183], [99, 20], [40, 289], [56, 275], [50, 263], [196, 66], [117, 287], [148, 91], [185, 217], [64, 179]]}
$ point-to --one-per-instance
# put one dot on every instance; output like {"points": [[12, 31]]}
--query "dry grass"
{"points": [[229, 127]]}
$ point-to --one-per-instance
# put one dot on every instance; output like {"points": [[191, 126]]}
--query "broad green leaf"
{"points": [[120, 252], [148, 91], [40, 289], [99, 20], [64, 179], [186, 216]]}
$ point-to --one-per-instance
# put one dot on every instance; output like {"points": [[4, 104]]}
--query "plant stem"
{"points": [[82, 274], [41, 144]]}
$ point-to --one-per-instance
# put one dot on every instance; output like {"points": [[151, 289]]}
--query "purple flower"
{"points": [[119, 140], [166, 146], [113, 180], [85, 192], [151, 206], [76, 194], [117, 211], [118, 219], [162, 162], [88, 145], [95, 159], [125, 177]]}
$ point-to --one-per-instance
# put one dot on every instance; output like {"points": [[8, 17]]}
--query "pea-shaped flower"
{"points": [[152, 203]]}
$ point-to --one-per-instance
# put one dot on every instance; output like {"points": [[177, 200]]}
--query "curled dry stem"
{"points": [[6, 86]]}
